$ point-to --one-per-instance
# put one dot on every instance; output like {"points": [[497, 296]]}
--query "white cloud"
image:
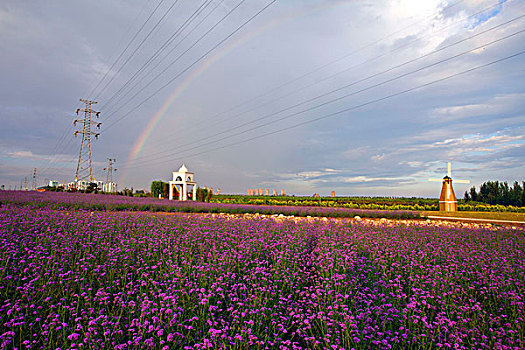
{"points": [[24, 154], [371, 179], [51, 160], [315, 173], [356, 153], [378, 157], [498, 104], [21, 154], [413, 164]]}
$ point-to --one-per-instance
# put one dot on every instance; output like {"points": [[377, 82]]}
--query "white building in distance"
{"points": [[53, 183], [181, 184], [110, 187]]}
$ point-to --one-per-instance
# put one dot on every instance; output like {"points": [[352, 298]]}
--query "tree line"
{"points": [[495, 192], [161, 188]]}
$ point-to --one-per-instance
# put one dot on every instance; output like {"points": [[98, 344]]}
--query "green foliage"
{"points": [[380, 203], [157, 187], [126, 192], [203, 195], [91, 188], [495, 192], [198, 194], [166, 190]]}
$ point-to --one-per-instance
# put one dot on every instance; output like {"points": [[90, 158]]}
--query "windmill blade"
{"points": [[435, 180], [462, 181], [449, 172]]}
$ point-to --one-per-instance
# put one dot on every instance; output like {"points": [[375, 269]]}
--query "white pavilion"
{"points": [[181, 183]]}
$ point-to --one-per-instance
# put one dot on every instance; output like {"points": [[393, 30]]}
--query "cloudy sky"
{"points": [[360, 97]]}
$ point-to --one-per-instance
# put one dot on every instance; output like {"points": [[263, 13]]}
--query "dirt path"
{"points": [[431, 221]]}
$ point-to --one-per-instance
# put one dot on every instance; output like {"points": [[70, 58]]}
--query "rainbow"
{"points": [[195, 74]]}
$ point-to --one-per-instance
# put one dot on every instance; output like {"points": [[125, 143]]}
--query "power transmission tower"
{"points": [[25, 183], [34, 180], [84, 166], [109, 179]]}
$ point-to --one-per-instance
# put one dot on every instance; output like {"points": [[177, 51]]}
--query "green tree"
{"points": [[208, 196], [157, 187], [126, 192], [166, 190], [203, 194], [495, 192], [92, 187]]}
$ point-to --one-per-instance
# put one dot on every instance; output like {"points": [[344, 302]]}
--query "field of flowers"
{"points": [[65, 200], [126, 280]]}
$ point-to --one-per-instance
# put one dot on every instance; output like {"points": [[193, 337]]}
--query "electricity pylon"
{"points": [[34, 180], [85, 166], [109, 178]]}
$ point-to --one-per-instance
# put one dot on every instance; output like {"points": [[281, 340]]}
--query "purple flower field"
{"points": [[64, 200], [74, 279]]}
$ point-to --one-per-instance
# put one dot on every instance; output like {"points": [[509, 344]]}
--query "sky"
{"points": [[364, 98]]}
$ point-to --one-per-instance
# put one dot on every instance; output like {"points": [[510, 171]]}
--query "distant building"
{"points": [[81, 185], [53, 183], [110, 187], [332, 194], [180, 185]]}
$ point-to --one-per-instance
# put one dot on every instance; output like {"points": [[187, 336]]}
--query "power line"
{"points": [[346, 86], [126, 48], [68, 128], [398, 31], [317, 69], [334, 114], [208, 31], [326, 78], [194, 63], [137, 48], [178, 57], [345, 96], [362, 48], [163, 47]]}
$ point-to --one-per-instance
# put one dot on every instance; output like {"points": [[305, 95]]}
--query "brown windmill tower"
{"points": [[447, 199]]}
